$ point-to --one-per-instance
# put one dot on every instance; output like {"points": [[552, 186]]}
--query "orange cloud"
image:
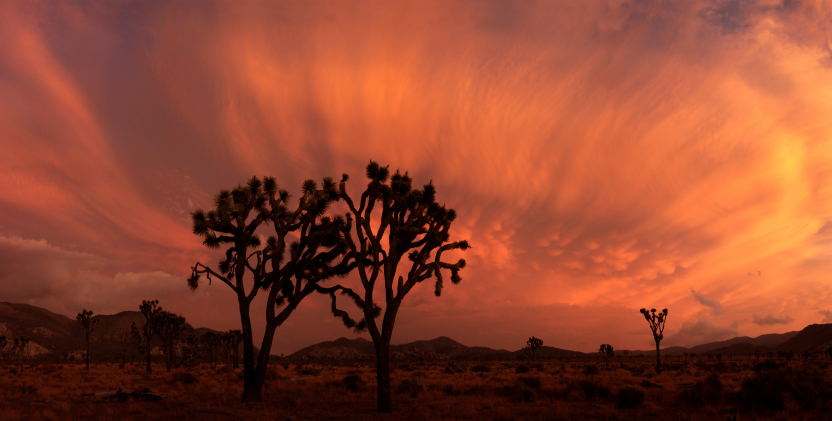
{"points": [[599, 154]]}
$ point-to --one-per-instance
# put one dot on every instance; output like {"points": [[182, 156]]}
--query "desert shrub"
{"points": [[767, 365], [413, 386], [225, 369], [309, 371], [522, 368], [185, 377], [518, 393], [589, 388], [532, 382], [353, 382], [480, 368], [769, 390], [708, 391], [540, 367], [590, 369], [629, 397]]}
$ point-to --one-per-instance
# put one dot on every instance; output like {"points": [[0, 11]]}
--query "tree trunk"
{"points": [[658, 358], [251, 390], [385, 404]]}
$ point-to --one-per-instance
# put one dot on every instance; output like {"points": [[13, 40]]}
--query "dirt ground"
{"points": [[687, 389]]}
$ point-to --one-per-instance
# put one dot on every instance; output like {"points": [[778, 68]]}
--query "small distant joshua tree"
{"points": [[656, 321], [169, 326], [532, 345], [88, 323], [606, 352], [151, 313], [20, 347]]}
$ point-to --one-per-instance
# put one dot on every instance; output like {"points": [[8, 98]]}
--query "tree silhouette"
{"points": [[88, 323], [656, 321], [20, 347], [414, 225], [532, 345], [122, 337], [169, 326], [233, 339], [151, 312], [288, 272], [606, 352]]}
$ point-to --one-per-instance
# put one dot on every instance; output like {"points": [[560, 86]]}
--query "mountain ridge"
{"points": [[52, 333]]}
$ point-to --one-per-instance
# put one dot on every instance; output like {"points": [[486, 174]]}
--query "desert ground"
{"points": [[688, 388]]}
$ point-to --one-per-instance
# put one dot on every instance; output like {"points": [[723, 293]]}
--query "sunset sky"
{"points": [[601, 156]]}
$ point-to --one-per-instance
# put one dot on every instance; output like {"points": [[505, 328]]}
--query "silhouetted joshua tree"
{"points": [[532, 345], [88, 323], [233, 338], [656, 322], [169, 326], [606, 352], [20, 347], [151, 312], [287, 272], [406, 223]]}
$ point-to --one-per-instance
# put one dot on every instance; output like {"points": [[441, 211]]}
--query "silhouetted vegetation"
{"points": [[606, 352], [776, 390], [415, 226], [532, 345], [656, 322], [87, 322], [288, 271]]}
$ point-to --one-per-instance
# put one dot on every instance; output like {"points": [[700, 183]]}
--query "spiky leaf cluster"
{"points": [[656, 321]]}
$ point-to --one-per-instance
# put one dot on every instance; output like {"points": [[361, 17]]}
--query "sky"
{"points": [[602, 156]]}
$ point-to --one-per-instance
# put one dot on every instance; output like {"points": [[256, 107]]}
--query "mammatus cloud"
{"points": [[716, 307], [601, 155], [771, 319]]}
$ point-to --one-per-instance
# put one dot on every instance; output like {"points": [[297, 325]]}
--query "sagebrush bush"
{"points": [[185, 377], [589, 388], [353, 382], [413, 386], [629, 397], [523, 368], [704, 392]]}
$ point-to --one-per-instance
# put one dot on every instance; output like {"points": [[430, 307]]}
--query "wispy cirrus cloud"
{"points": [[599, 154]]}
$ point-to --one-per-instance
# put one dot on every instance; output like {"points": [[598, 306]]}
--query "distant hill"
{"points": [[58, 335], [738, 349], [812, 338], [770, 340]]}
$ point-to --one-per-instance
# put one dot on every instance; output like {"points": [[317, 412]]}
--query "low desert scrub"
{"points": [[788, 388], [629, 397]]}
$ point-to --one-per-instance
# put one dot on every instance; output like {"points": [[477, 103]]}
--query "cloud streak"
{"points": [[599, 154]]}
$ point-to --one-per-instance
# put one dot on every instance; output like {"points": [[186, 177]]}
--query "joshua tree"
{"points": [[234, 337], [532, 345], [122, 336], [606, 352], [88, 323], [20, 347], [656, 321], [210, 341], [169, 326], [406, 223], [151, 316], [288, 272]]}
